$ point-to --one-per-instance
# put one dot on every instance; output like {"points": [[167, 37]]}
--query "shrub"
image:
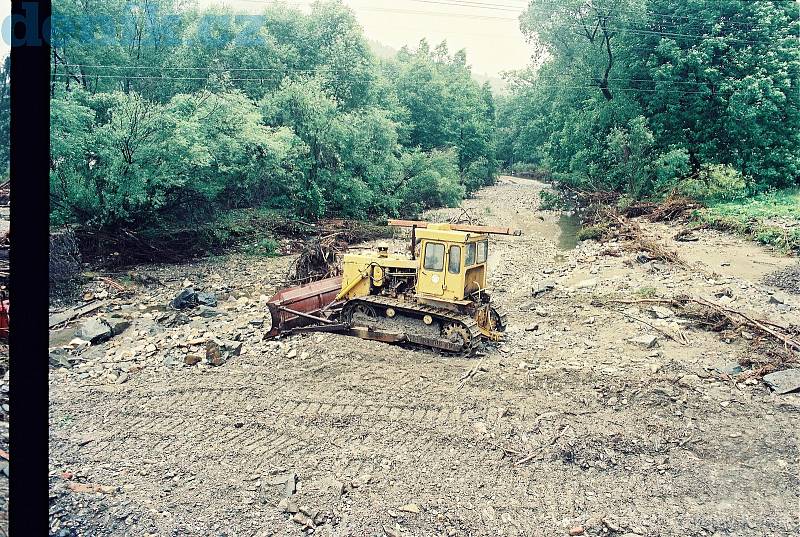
{"points": [[715, 182], [551, 200]]}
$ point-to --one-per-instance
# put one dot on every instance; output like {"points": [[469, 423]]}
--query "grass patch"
{"points": [[771, 218], [646, 292], [596, 232]]}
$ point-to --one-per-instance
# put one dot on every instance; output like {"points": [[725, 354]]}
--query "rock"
{"points": [[532, 328], [214, 353], [78, 343], [785, 381], [689, 380], [392, 532], [122, 378], [577, 530], [208, 313], [291, 485], [58, 359], [409, 508], [191, 359], [233, 348], [480, 427], [94, 330], [206, 299], [542, 288], [776, 299], [731, 368], [288, 506], [361, 480], [586, 284], [186, 298], [118, 324], [303, 520], [660, 312], [647, 341], [292, 353]]}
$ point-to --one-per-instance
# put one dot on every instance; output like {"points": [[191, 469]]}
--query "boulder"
{"points": [[94, 330], [647, 341], [542, 288], [118, 324], [785, 381], [207, 299], [186, 298]]}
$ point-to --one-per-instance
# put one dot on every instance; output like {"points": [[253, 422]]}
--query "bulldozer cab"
{"points": [[452, 264]]}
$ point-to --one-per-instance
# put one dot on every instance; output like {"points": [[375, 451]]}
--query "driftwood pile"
{"points": [[64, 260], [781, 344], [674, 207], [318, 260], [320, 256], [619, 227]]}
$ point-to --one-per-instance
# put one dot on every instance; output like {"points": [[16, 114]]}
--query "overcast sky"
{"points": [[490, 33]]}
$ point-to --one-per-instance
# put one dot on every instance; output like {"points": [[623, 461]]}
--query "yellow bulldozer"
{"points": [[435, 295]]}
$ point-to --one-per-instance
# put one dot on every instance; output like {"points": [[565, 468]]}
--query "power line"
{"points": [[124, 77], [202, 79], [324, 71]]}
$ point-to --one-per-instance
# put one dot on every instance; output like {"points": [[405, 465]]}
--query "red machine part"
{"points": [[302, 305], [5, 306]]}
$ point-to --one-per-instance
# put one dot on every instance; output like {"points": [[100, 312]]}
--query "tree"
{"points": [[716, 81]]}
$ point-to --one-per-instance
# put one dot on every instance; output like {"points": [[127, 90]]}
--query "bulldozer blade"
{"points": [[302, 305]]}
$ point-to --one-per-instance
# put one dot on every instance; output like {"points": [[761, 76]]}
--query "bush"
{"points": [[266, 247], [552, 200], [715, 182]]}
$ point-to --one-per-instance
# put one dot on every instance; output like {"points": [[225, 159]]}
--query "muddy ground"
{"points": [[567, 426]]}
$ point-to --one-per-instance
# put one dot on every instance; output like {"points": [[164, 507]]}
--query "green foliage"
{"points": [[286, 111], [714, 182], [265, 247], [645, 96], [596, 232], [550, 200], [771, 218], [429, 180], [647, 292]]}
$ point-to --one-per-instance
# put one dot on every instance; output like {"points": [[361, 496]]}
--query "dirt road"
{"points": [[567, 424]]}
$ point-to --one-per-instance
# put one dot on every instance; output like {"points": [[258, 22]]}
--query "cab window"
{"points": [[454, 261], [470, 257], [434, 256], [483, 249]]}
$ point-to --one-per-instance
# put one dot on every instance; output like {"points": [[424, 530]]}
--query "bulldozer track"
{"points": [[437, 313]]}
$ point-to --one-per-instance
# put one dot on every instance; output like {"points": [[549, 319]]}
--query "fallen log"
{"points": [[73, 313]]}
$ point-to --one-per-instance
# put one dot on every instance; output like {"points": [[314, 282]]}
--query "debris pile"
{"points": [[779, 344], [318, 259], [64, 262]]}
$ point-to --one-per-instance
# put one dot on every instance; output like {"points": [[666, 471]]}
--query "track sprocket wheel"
{"points": [[361, 312], [457, 334]]}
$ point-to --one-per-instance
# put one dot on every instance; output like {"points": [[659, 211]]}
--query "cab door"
{"points": [[431, 277]]}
